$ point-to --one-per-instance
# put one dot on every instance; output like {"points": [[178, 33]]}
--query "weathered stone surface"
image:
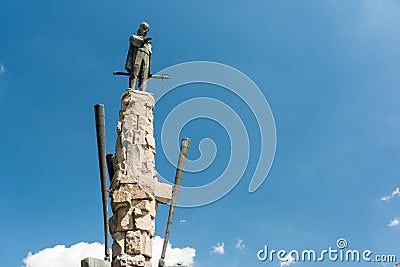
{"points": [[138, 212], [135, 146], [120, 261], [133, 242], [125, 179], [137, 260], [148, 183], [146, 245], [118, 246], [152, 228], [138, 242], [163, 192], [125, 219], [112, 224], [135, 189], [120, 199], [153, 208], [144, 205], [144, 223]]}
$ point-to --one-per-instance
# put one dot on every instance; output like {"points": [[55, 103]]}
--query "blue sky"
{"points": [[330, 73]]}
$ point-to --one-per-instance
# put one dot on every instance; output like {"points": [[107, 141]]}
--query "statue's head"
{"points": [[143, 29]]}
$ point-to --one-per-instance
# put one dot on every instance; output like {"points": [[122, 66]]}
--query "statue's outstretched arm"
{"points": [[137, 41]]}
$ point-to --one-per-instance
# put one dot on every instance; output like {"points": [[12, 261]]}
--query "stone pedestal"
{"points": [[135, 191], [92, 262]]}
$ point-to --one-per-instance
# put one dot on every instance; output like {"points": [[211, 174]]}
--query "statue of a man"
{"points": [[138, 61]]}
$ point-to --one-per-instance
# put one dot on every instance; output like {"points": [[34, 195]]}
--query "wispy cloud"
{"points": [[240, 245], [219, 248], [394, 223], [3, 82], [395, 193], [62, 256], [288, 260], [182, 221]]}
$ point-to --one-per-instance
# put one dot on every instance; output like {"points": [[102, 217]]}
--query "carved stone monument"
{"points": [[135, 191]]}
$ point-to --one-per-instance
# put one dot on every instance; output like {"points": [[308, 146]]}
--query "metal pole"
{"points": [[178, 179], [101, 149], [110, 166]]}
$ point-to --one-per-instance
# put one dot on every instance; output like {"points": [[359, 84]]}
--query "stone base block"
{"points": [[92, 262]]}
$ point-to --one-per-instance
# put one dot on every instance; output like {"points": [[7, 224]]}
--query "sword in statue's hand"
{"points": [[154, 76]]}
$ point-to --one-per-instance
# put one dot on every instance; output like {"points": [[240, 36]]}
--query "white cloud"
{"points": [[183, 221], [173, 256], [288, 260], [395, 222], [62, 256], [3, 83], [395, 193], [240, 244], [219, 248]]}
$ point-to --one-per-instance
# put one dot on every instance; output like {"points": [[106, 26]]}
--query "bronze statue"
{"points": [[138, 60]]}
